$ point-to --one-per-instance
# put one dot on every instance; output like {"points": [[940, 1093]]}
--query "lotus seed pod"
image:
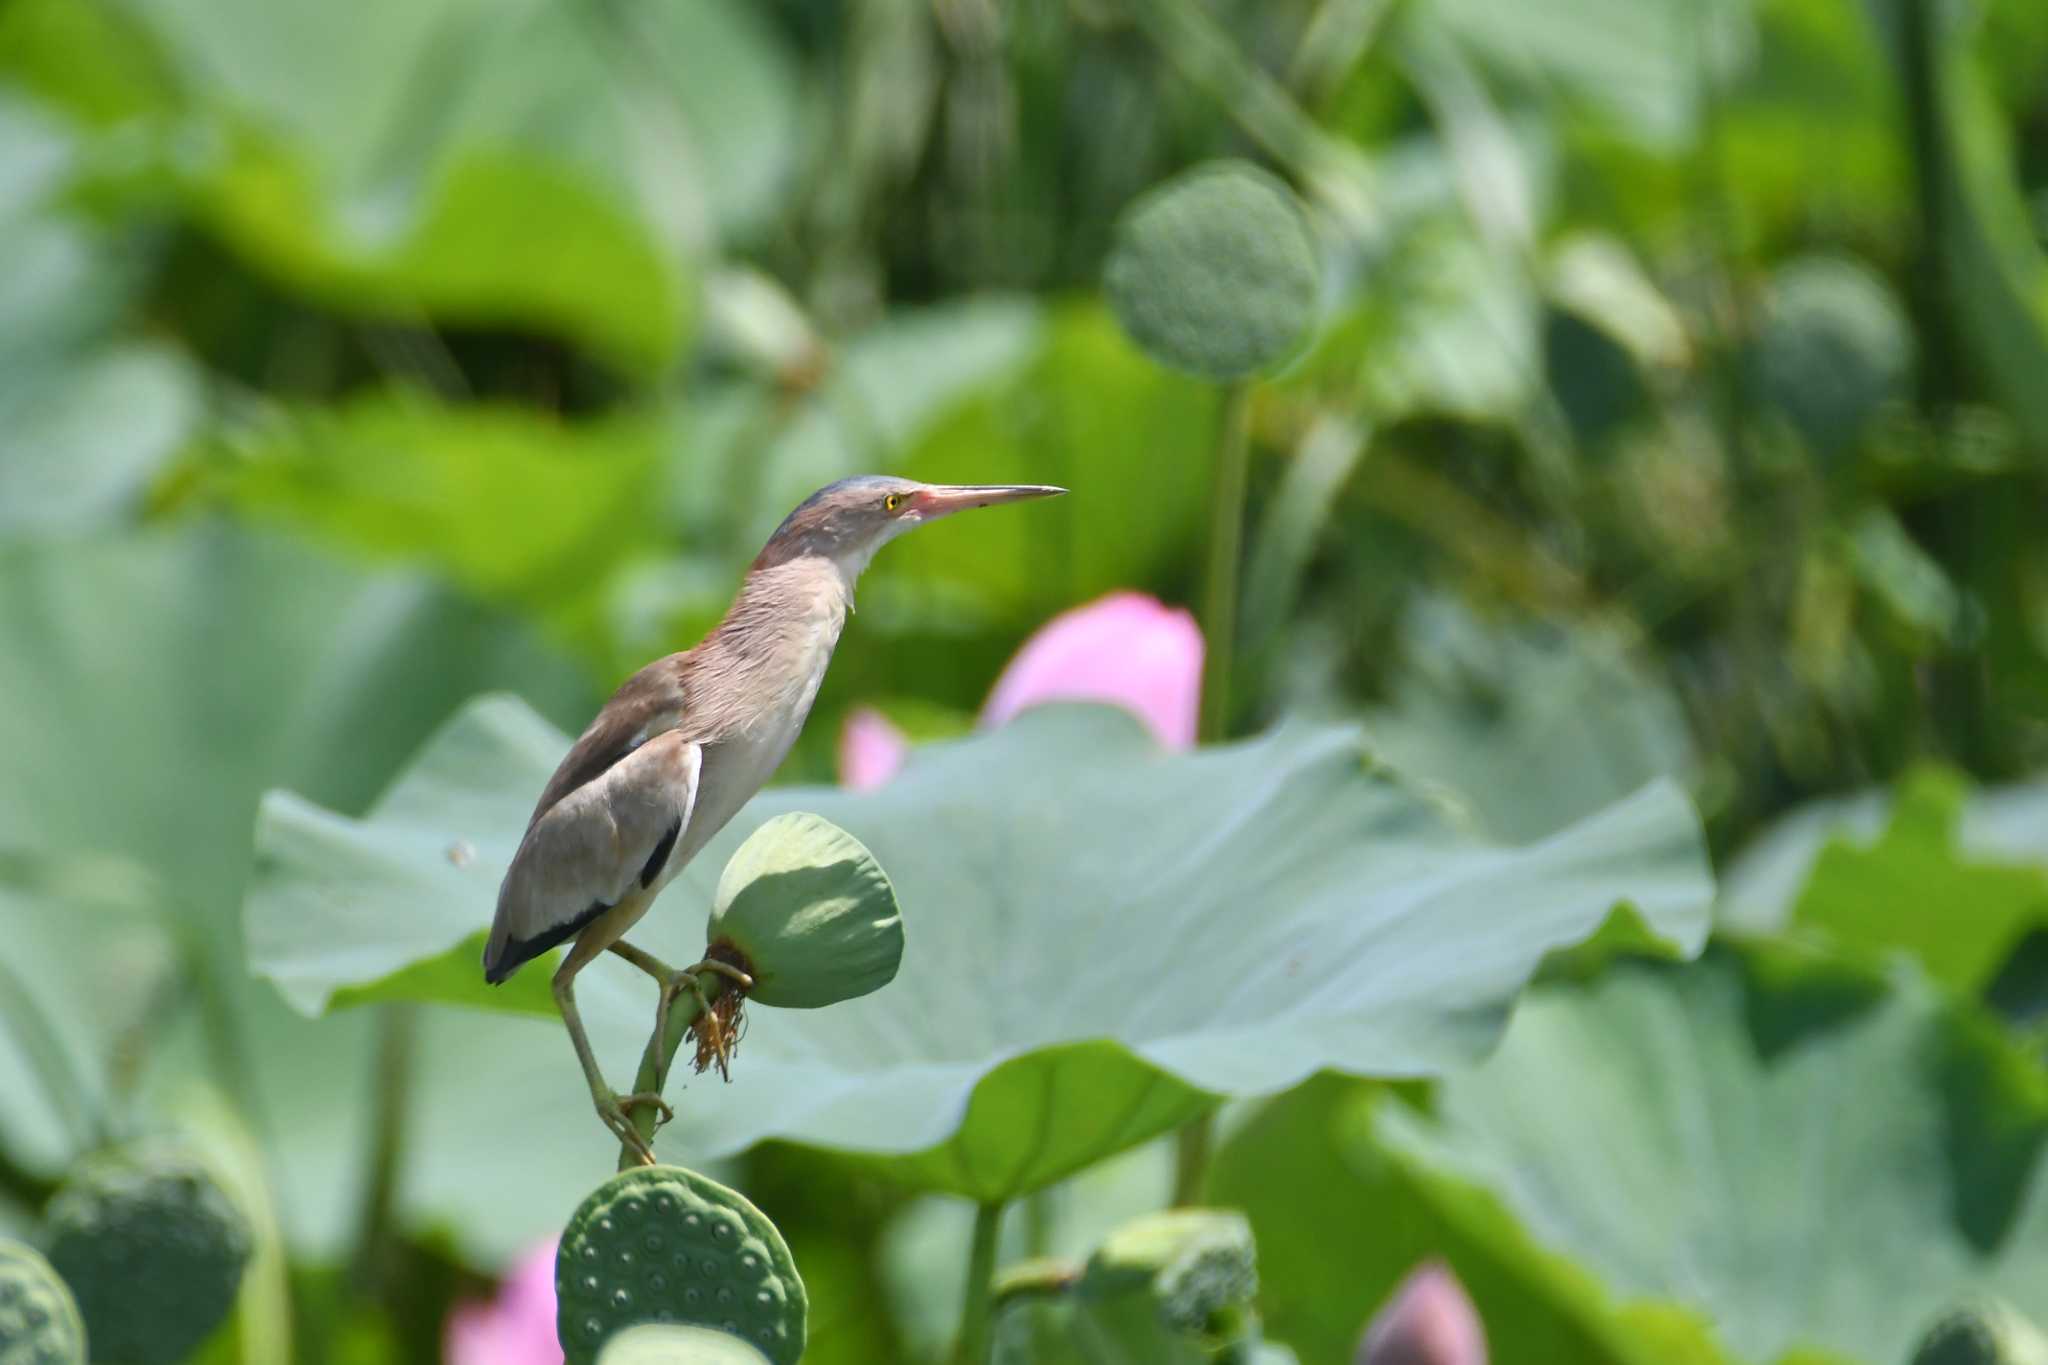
{"points": [[152, 1248], [659, 1244], [809, 913], [1986, 1332], [1835, 344], [1215, 272], [39, 1322], [664, 1344], [1193, 1263]]}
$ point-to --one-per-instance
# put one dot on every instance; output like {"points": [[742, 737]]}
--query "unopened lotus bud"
{"points": [[1428, 1321], [660, 1244], [39, 1322], [1986, 1332], [808, 913], [153, 1250]]}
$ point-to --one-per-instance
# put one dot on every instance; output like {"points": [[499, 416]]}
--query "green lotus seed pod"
{"points": [[1985, 1332], [660, 1244], [1193, 1263], [1835, 344], [1215, 272], [663, 1344], [39, 1322], [152, 1248], [808, 913]]}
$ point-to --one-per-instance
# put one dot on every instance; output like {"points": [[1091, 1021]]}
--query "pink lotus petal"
{"points": [[871, 749], [515, 1328], [1428, 1321], [1127, 649]]}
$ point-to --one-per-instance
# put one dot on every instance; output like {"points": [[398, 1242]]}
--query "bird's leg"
{"points": [[673, 982], [611, 1107], [663, 974], [646, 962]]}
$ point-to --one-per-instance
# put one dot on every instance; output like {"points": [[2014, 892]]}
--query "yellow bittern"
{"points": [[688, 740]]}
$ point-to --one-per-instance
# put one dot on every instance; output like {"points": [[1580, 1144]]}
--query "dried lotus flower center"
{"points": [[718, 1030]]}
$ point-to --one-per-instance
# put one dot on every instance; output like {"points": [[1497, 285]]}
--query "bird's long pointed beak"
{"points": [[943, 499]]}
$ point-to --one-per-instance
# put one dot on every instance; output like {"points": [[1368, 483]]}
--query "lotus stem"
{"points": [[397, 1047], [1219, 661], [1193, 1145], [1226, 537], [977, 1316], [652, 1078]]}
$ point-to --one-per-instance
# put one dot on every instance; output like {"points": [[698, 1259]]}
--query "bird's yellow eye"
{"points": [[892, 502]]}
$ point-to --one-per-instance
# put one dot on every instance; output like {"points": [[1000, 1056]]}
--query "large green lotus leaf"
{"points": [[411, 477], [1100, 936], [1811, 1156], [86, 417], [1879, 896], [156, 685], [55, 1058], [1954, 877], [553, 167], [1339, 1225], [1532, 725]]}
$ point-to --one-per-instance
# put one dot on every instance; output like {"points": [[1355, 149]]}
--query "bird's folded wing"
{"points": [[589, 850]]}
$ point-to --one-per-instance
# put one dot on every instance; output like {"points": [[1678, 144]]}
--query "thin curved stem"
{"points": [[1193, 1145], [1220, 573], [397, 1051], [1219, 662], [652, 1078], [977, 1316]]}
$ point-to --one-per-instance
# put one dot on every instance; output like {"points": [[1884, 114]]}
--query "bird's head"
{"points": [[848, 521]]}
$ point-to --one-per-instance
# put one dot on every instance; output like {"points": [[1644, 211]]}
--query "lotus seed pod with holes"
{"points": [[660, 1244], [1193, 1263], [665, 1344], [1215, 271], [1986, 1332], [809, 913], [153, 1250], [39, 1322]]}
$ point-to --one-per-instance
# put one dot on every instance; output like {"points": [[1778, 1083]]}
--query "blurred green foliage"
{"points": [[1675, 407]]}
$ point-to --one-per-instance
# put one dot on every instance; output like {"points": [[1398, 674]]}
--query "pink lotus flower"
{"points": [[1127, 649], [871, 749], [1428, 1321], [517, 1327]]}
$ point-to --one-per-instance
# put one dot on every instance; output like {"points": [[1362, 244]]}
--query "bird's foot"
{"points": [[724, 969], [615, 1113]]}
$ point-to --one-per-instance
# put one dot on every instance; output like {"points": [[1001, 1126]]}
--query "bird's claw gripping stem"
{"points": [[615, 1111], [726, 970]]}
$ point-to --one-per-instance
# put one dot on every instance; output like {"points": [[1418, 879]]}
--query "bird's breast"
{"points": [[741, 759]]}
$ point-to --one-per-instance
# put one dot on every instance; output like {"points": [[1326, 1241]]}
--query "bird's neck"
{"points": [[765, 659]]}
